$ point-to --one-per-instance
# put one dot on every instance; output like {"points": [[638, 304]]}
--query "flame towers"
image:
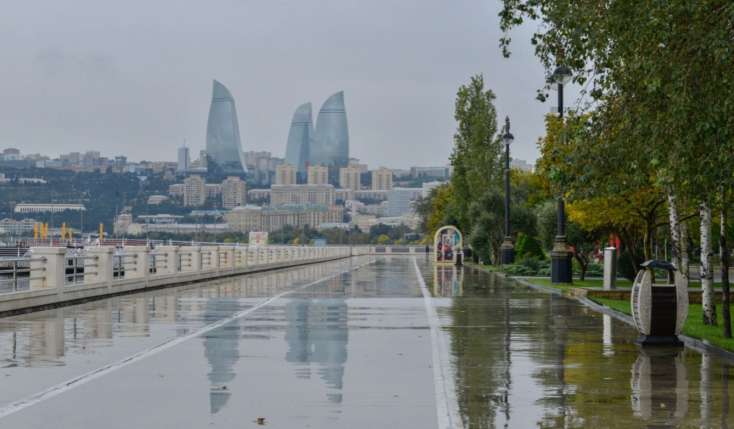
{"points": [[331, 141], [223, 147], [299, 138]]}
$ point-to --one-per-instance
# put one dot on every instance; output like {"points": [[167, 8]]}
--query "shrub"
{"points": [[528, 247]]}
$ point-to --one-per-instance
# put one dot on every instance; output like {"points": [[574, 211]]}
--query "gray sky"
{"points": [[134, 77]]}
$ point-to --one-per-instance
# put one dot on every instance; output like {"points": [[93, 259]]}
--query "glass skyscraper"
{"points": [[299, 138], [331, 141], [223, 147]]}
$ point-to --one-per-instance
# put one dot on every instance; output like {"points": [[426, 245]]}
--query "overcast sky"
{"points": [[134, 77]]}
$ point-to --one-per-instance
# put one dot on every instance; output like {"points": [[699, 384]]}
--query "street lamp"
{"points": [[507, 250], [561, 268]]}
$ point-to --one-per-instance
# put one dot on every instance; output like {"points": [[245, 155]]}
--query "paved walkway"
{"points": [[381, 342], [342, 344]]}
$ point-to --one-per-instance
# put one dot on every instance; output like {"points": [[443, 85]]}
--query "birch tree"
{"points": [[707, 275]]}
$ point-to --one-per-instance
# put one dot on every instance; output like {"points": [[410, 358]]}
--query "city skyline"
{"points": [[99, 88]]}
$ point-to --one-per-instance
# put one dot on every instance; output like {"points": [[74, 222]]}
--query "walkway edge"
{"points": [[447, 411]]}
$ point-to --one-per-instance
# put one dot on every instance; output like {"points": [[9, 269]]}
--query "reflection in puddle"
{"points": [[660, 386], [448, 280], [221, 347], [317, 333], [526, 359]]}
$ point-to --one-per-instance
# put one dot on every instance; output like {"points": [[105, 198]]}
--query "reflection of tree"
{"points": [[317, 333], [480, 347], [221, 348]]}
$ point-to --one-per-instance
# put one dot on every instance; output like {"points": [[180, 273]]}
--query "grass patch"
{"points": [[694, 326], [621, 283]]}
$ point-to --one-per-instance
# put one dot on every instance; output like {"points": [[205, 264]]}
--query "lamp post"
{"points": [[561, 268], [507, 249]]}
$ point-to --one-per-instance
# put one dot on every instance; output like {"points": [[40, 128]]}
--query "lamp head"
{"points": [[507, 136], [561, 75]]}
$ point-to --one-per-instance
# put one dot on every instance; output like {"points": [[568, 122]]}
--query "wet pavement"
{"points": [[347, 344]]}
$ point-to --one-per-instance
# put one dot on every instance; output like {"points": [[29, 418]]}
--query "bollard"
{"points": [[610, 268]]}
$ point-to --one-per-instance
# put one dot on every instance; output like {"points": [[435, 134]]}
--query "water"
{"points": [[352, 349]]}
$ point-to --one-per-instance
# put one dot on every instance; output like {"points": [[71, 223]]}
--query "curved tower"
{"points": [[299, 138], [331, 140], [223, 147]]}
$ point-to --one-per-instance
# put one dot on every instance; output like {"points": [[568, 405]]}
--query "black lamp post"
{"points": [[507, 250], [561, 268]]}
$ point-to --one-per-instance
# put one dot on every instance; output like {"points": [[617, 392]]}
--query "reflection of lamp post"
{"points": [[507, 250], [561, 270]]}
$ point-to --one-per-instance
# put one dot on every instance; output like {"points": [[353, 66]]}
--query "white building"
{"points": [[522, 165], [350, 178], [269, 219], [302, 194], [234, 192], [400, 201], [382, 179], [47, 208], [285, 174], [194, 191], [155, 200], [318, 175]]}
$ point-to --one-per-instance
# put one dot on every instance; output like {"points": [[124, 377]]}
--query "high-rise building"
{"points": [[285, 174], [299, 138], [318, 175], [382, 179], [354, 162], [184, 162], [234, 192], [350, 178], [261, 166], [330, 146], [194, 192], [223, 147]]}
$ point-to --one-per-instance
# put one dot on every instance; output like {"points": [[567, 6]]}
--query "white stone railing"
{"points": [[391, 249], [62, 274]]}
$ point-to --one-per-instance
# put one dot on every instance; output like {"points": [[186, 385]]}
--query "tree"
{"points": [[488, 232], [656, 73], [476, 154]]}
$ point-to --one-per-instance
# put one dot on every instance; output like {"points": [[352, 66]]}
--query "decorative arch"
{"points": [[447, 243]]}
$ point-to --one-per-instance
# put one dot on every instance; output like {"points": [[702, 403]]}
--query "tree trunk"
{"points": [[707, 276], [724, 255], [583, 265], [678, 236]]}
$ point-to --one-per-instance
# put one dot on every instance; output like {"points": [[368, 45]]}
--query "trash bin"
{"points": [[659, 310]]}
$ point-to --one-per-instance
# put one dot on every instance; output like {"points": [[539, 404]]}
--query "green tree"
{"points": [[657, 73], [476, 154]]}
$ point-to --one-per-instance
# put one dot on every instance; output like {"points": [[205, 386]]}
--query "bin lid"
{"points": [[655, 264]]}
